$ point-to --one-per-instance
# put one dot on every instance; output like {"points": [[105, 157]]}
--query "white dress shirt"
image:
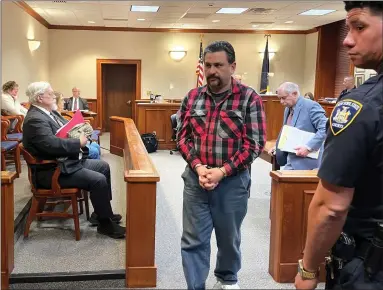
{"points": [[75, 100]]}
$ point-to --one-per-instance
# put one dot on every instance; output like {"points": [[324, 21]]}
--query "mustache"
{"points": [[213, 77]]}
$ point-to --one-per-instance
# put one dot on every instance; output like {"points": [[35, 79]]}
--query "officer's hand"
{"points": [[301, 151], [305, 284], [272, 151]]}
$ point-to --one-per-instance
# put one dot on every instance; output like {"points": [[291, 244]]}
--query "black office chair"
{"points": [[173, 120]]}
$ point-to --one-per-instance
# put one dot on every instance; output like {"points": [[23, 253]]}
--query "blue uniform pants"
{"points": [[354, 277]]}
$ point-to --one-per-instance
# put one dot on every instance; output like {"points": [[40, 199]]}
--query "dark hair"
{"points": [[8, 86], [376, 7], [221, 46], [310, 95]]}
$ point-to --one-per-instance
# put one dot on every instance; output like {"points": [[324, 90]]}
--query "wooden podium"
{"points": [[291, 194]]}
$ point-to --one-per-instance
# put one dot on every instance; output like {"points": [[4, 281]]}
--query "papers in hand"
{"points": [[76, 119], [292, 137]]}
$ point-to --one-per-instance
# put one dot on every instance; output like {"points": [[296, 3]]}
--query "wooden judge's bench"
{"points": [[155, 117]]}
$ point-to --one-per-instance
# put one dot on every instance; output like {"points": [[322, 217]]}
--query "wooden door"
{"points": [[119, 91]]}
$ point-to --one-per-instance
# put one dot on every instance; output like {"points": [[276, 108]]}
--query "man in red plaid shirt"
{"points": [[221, 130]]}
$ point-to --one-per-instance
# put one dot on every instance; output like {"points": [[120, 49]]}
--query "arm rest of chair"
{"points": [[20, 120], [56, 188], [4, 129]]}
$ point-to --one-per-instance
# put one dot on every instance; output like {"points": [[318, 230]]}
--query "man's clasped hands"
{"points": [[209, 177]]}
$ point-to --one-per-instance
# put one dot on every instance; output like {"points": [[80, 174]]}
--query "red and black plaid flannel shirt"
{"points": [[231, 133]]}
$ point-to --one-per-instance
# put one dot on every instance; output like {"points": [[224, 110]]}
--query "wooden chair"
{"points": [[56, 193], [11, 118], [9, 147]]}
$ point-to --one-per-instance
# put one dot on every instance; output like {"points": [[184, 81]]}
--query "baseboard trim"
{"points": [[20, 220], [66, 276]]}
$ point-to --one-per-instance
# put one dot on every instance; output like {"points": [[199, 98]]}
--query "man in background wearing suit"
{"points": [[76, 102], [305, 115], [40, 126], [348, 84]]}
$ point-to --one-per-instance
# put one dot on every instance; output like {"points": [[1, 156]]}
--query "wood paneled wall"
{"points": [[93, 107], [343, 61], [274, 116], [333, 63], [156, 118]]}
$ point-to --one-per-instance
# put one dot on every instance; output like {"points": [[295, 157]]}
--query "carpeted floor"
{"points": [[51, 246]]}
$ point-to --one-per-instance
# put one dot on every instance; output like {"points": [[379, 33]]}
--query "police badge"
{"points": [[343, 115]]}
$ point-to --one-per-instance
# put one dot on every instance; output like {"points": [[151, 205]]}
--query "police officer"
{"points": [[345, 212]]}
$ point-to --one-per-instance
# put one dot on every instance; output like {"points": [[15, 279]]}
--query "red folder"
{"points": [[77, 119]]}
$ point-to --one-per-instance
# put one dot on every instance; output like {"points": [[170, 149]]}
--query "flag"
{"points": [[265, 70], [199, 71]]}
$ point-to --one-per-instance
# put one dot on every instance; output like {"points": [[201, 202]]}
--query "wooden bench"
{"points": [[7, 227], [141, 179]]}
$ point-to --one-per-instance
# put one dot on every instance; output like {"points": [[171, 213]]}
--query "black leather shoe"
{"points": [[111, 229], [94, 219]]}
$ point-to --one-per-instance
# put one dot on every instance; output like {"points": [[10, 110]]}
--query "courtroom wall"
{"points": [[73, 54], [18, 63], [310, 63]]}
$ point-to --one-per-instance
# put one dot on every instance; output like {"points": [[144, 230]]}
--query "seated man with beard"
{"points": [[40, 126]]}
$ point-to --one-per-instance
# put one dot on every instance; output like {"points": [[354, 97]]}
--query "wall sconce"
{"points": [[178, 53], [33, 44], [271, 54]]}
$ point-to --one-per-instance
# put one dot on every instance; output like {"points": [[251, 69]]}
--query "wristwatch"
{"points": [[306, 275]]}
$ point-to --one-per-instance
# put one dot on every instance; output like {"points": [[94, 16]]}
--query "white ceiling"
{"points": [[170, 14]]}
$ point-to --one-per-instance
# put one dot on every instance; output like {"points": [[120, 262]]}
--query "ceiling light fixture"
{"points": [[91, 22], [136, 8], [317, 12], [255, 25], [141, 19], [231, 10], [215, 21], [290, 21]]}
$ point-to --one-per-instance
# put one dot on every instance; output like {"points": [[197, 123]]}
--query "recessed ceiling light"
{"points": [[290, 21], [141, 19], [231, 10], [215, 21], [317, 12], [91, 22], [255, 25], [136, 8]]}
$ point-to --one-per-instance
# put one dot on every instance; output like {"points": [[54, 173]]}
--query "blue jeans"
{"points": [[223, 209]]}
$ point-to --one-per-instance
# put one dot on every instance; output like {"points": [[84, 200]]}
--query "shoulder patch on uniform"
{"points": [[343, 115]]}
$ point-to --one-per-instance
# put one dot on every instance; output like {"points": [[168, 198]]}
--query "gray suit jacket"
{"points": [[308, 116], [82, 103]]}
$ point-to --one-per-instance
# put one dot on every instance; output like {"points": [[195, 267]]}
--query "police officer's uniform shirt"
{"points": [[353, 154]]}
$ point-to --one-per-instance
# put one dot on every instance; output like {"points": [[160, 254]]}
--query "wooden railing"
{"points": [[291, 194], [141, 179], [7, 227]]}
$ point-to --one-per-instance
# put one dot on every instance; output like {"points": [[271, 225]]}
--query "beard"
{"points": [[54, 107]]}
